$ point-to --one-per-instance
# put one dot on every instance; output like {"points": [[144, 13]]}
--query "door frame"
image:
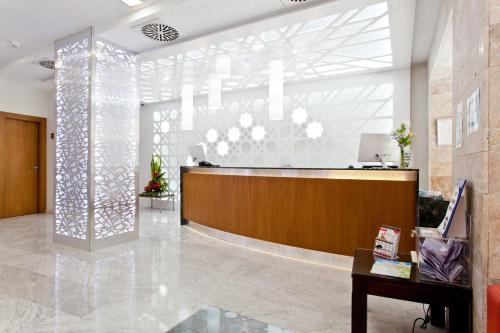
{"points": [[42, 158]]}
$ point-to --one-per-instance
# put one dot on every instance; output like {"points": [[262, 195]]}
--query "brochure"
{"points": [[392, 268], [444, 227], [387, 242]]}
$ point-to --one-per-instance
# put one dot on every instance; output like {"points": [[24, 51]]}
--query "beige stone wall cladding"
{"points": [[493, 197], [476, 64], [440, 157]]}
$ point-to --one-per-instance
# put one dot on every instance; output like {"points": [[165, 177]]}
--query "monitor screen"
{"points": [[197, 153], [376, 145]]}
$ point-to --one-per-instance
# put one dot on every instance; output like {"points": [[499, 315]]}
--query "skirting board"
{"points": [[315, 257]]}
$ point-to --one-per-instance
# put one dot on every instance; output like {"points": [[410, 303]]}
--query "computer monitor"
{"points": [[376, 147], [197, 153]]}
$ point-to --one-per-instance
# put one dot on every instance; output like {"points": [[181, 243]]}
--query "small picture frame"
{"points": [[473, 112], [444, 131]]}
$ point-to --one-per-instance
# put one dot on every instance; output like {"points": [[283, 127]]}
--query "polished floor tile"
{"points": [[217, 320], [171, 273]]}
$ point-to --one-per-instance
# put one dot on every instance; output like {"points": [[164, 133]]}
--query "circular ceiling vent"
{"points": [[160, 32], [47, 63]]}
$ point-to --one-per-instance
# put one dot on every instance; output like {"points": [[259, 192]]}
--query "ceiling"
{"points": [[36, 25], [426, 15], [331, 39]]}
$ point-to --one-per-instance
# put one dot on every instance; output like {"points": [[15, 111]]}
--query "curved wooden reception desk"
{"points": [[328, 210]]}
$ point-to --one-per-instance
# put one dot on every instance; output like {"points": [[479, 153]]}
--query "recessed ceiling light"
{"points": [[132, 3]]}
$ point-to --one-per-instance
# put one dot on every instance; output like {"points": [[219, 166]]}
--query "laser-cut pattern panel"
{"points": [[324, 133], [354, 40], [115, 142], [72, 140]]}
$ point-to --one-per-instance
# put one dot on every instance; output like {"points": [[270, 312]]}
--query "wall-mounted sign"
{"points": [[473, 112], [444, 131], [459, 125]]}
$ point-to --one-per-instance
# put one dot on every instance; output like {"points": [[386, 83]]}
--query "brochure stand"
{"points": [[444, 253], [459, 226]]}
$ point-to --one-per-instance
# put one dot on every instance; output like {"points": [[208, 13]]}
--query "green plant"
{"points": [[157, 184], [404, 138]]}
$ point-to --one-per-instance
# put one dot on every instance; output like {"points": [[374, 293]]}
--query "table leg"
{"points": [[359, 312], [459, 318], [437, 315]]}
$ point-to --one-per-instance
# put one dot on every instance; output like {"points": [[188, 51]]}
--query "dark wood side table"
{"points": [[458, 299]]}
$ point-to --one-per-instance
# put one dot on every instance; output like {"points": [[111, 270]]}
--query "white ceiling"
{"points": [[332, 39], [36, 24], [426, 15], [191, 19]]}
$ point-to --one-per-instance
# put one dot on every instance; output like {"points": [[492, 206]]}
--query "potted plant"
{"points": [[157, 184], [404, 137]]}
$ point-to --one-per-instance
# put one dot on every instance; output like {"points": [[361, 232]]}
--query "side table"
{"points": [[458, 299]]}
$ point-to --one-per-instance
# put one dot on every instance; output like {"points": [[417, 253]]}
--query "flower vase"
{"points": [[402, 161]]}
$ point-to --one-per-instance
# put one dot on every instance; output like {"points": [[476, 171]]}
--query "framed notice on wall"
{"points": [[459, 125], [444, 131], [473, 113]]}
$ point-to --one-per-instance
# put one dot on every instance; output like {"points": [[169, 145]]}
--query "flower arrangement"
{"points": [[404, 137], [157, 184]]}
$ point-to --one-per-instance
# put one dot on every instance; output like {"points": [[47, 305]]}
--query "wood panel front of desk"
{"points": [[329, 215]]}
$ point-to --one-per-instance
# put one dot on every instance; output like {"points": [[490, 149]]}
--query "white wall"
{"points": [[16, 97], [420, 122], [346, 107]]}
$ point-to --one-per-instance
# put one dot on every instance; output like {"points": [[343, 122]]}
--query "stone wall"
{"points": [[493, 197], [440, 157], [476, 64]]}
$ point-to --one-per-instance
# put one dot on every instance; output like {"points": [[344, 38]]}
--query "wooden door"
{"points": [[20, 167]]}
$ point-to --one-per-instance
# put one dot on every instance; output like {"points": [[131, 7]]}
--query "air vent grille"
{"points": [[291, 3], [160, 32], [47, 63]]}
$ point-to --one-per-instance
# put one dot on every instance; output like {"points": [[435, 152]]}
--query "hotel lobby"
{"points": [[265, 166]]}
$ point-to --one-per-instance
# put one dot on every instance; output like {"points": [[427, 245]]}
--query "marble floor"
{"points": [[169, 274]]}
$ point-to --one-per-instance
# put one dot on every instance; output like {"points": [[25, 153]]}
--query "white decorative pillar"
{"points": [[97, 134]]}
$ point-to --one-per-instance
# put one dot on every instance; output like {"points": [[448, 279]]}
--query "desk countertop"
{"points": [[352, 174]]}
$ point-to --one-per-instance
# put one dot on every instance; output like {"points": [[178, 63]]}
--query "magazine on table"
{"points": [[392, 268]]}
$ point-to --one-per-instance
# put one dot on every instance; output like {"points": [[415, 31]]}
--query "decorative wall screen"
{"points": [[329, 63], [322, 124], [116, 140], [96, 143], [72, 136]]}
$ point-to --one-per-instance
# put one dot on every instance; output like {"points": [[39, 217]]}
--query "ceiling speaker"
{"points": [[160, 32]]}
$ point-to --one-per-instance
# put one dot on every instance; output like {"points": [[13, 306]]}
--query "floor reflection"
{"points": [[217, 320], [164, 278]]}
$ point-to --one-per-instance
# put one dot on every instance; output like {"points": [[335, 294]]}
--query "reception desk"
{"points": [[328, 210]]}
